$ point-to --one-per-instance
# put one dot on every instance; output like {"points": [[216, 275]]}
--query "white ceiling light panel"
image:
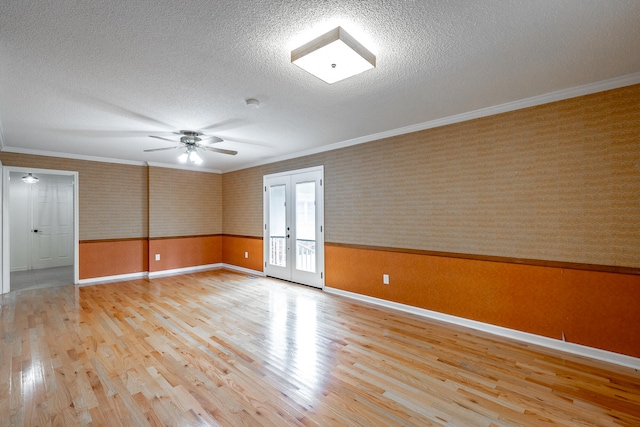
{"points": [[333, 56]]}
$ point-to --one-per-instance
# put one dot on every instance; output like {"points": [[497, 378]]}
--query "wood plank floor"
{"points": [[218, 348]]}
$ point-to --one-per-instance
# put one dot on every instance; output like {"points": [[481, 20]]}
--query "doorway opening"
{"points": [[294, 226], [40, 229]]}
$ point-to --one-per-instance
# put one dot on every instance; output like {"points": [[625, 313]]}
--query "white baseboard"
{"points": [[244, 270], [164, 273], [198, 268], [110, 279], [184, 270], [577, 349]]}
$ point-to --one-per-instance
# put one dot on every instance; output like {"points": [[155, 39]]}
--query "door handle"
{"points": [[36, 231]]}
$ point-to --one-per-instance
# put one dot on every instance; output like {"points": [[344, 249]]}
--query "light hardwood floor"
{"points": [[218, 348]]}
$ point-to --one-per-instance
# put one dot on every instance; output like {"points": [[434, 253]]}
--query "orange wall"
{"points": [[234, 248], [113, 257], [595, 309], [181, 252]]}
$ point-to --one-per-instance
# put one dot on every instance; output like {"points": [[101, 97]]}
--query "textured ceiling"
{"points": [[94, 78]]}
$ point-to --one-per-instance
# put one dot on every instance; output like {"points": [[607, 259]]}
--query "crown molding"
{"points": [[183, 167], [32, 152], [560, 95], [101, 159]]}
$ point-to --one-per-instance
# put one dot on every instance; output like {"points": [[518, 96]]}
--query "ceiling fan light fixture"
{"points": [[191, 156], [195, 158], [333, 56], [30, 179], [189, 143]]}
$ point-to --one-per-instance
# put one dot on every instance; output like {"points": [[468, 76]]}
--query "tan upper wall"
{"points": [[125, 201], [184, 203], [555, 182], [113, 197], [242, 194]]}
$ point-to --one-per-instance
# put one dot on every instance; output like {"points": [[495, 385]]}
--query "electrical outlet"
{"points": [[385, 279], [157, 257], [246, 254]]}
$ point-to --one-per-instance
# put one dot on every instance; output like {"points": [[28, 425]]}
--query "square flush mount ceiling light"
{"points": [[333, 56]]}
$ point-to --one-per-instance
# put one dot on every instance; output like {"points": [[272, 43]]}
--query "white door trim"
{"points": [[6, 249]]}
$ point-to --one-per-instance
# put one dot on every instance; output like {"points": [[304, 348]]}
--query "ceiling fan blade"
{"points": [[225, 124], [187, 133], [213, 138], [164, 139], [109, 107], [249, 142], [96, 133], [218, 150], [160, 149]]}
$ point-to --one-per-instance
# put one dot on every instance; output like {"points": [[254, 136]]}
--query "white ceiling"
{"points": [[94, 78]]}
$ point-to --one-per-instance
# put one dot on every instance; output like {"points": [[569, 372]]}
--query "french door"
{"points": [[294, 226]]}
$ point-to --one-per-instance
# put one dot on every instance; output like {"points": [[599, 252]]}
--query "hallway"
{"points": [[43, 278]]}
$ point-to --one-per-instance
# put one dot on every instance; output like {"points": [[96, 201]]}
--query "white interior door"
{"points": [[52, 223], [293, 226], [20, 228]]}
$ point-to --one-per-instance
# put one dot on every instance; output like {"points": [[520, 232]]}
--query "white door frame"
{"points": [[6, 249], [319, 219]]}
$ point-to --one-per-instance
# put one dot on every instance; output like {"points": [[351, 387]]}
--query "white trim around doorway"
{"points": [[6, 249]]}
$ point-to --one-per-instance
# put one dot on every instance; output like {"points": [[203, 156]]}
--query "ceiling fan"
{"points": [[190, 141]]}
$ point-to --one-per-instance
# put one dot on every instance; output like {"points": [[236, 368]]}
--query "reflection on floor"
{"points": [[45, 278]]}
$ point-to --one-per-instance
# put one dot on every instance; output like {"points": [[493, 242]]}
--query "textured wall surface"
{"points": [[592, 308], [182, 252], [235, 248], [113, 197], [242, 193], [184, 203], [104, 258], [556, 182]]}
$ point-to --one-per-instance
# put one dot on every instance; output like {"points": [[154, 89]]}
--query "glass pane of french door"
{"points": [[306, 226], [277, 226]]}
